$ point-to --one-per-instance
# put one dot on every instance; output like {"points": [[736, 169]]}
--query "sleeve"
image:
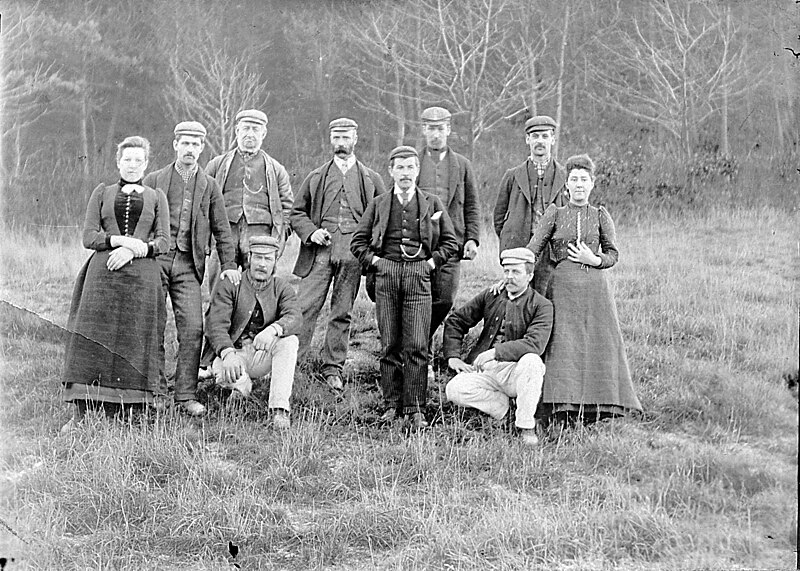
{"points": [[160, 243], [447, 247], [472, 206], [359, 243], [289, 316], [458, 324], [301, 211], [536, 335], [501, 205], [544, 231], [221, 228], [94, 235], [218, 316], [284, 192], [213, 166], [377, 180], [608, 238]]}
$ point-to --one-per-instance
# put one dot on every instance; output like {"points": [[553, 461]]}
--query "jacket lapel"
{"points": [[452, 175], [521, 177]]}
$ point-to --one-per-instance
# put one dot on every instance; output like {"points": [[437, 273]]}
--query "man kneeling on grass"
{"points": [[506, 361], [250, 330]]}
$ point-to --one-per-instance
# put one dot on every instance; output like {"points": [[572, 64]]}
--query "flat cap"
{"points": [[436, 115], [539, 123], [264, 244], [343, 124], [190, 128], [252, 115], [517, 256], [403, 152]]}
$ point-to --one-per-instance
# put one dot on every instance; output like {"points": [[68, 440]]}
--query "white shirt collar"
{"points": [[513, 297], [344, 164], [411, 191], [442, 154], [129, 188]]}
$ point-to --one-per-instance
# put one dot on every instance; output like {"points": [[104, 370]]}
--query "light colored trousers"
{"points": [[280, 360], [489, 390]]}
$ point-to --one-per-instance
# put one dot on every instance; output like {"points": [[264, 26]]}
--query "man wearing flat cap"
{"points": [[404, 236], [506, 361], [196, 213], [256, 187], [251, 330], [448, 175], [326, 211], [527, 190]]}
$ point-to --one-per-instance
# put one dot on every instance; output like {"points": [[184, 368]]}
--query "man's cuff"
{"points": [[225, 351]]}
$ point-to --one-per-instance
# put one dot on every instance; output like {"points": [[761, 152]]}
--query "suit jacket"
{"points": [[279, 189], [101, 221], [462, 201], [512, 212], [232, 306], [435, 231], [307, 212], [208, 218], [529, 321]]}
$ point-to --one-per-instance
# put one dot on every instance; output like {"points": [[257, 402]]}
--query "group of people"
{"points": [[550, 336]]}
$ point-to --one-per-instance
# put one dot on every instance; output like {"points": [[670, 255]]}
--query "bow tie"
{"points": [[129, 188]]}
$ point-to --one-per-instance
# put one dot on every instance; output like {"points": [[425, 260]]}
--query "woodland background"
{"points": [[679, 101]]}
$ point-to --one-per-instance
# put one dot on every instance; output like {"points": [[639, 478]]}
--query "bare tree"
{"points": [[677, 72]]}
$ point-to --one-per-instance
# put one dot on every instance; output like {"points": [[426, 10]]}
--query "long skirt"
{"points": [[587, 369], [113, 351]]}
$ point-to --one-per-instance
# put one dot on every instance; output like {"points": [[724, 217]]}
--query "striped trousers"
{"points": [[403, 307]]}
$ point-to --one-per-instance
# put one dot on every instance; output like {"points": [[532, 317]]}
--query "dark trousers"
{"points": [[179, 281], [444, 289], [333, 263], [403, 307]]}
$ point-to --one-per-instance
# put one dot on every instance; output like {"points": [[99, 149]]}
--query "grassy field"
{"points": [[707, 479]]}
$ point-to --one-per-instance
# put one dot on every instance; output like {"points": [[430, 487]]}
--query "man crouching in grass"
{"points": [[506, 361], [250, 330]]}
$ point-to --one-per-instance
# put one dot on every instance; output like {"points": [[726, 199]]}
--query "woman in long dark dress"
{"points": [[113, 351], [588, 376]]}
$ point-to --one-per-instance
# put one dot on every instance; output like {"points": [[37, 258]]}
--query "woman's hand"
{"points": [[138, 247], [118, 258], [582, 254]]}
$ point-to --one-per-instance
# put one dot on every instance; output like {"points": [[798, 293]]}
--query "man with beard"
{"points": [[525, 193], [326, 211], [506, 361], [448, 175], [403, 237], [256, 187], [250, 330], [196, 213]]}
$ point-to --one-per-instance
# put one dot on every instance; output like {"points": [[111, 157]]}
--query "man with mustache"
{"points": [[403, 237], [251, 330], [506, 361], [527, 190], [256, 187], [448, 175], [326, 211], [196, 213]]}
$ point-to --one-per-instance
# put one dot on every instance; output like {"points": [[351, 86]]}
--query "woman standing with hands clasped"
{"points": [[113, 351], [587, 375]]}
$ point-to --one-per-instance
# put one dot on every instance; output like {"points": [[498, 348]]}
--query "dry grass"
{"points": [[706, 480]]}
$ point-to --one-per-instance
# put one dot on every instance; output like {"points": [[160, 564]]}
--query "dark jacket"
{"points": [[436, 231], [232, 306], [512, 211], [529, 320], [307, 212], [462, 202], [208, 218]]}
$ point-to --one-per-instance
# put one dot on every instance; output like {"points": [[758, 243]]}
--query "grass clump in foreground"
{"points": [[706, 480]]}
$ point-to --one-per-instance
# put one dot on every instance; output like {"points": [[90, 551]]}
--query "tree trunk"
{"points": [[778, 123], [111, 134], [723, 144], [560, 84], [397, 103]]}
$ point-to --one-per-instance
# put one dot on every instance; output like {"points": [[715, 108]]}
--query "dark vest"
{"points": [[402, 228], [179, 198], [245, 190], [337, 214], [434, 176]]}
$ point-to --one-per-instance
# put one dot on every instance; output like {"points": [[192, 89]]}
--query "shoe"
{"points": [[193, 408], [416, 421], [334, 381], [528, 437], [281, 420], [431, 374], [388, 416]]}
